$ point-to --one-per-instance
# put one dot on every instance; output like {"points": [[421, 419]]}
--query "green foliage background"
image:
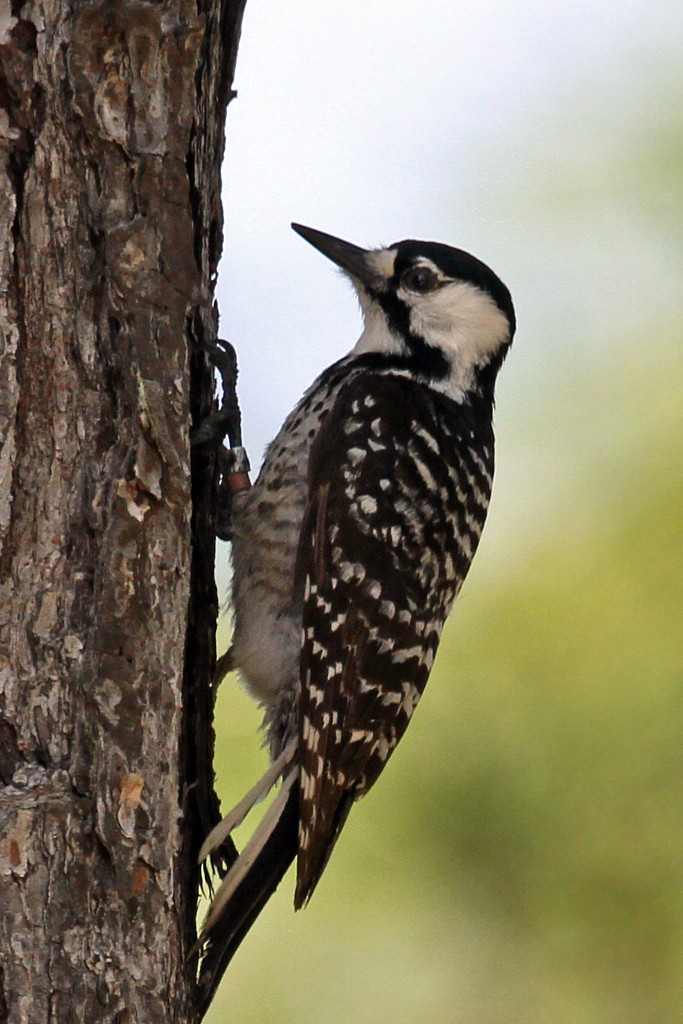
{"points": [[521, 860]]}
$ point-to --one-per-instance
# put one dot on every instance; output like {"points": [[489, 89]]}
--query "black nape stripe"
{"points": [[477, 403], [424, 359]]}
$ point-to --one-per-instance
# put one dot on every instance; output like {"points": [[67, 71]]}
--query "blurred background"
{"points": [[521, 860]]}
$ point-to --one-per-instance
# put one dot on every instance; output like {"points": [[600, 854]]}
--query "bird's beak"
{"points": [[359, 263]]}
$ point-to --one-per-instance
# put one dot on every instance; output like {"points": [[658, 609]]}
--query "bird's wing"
{"points": [[392, 523]]}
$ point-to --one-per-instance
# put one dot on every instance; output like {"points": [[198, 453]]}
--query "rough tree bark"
{"points": [[111, 136]]}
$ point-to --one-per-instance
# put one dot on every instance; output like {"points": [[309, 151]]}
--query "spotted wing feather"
{"points": [[399, 483]]}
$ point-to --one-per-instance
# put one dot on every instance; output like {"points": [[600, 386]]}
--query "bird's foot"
{"points": [[224, 423]]}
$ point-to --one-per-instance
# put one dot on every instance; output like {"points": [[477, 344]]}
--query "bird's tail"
{"points": [[248, 886]]}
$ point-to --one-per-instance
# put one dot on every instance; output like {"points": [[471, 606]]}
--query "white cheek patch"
{"points": [[463, 321]]}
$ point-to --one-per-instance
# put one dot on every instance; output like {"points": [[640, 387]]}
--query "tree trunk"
{"points": [[111, 136]]}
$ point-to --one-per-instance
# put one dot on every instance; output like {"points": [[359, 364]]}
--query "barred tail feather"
{"points": [[313, 856], [247, 887]]}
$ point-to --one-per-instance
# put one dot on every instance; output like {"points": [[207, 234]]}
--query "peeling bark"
{"points": [[111, 135]]}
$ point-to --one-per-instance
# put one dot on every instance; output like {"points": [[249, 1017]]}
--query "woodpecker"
{"points": [[349, 551]]}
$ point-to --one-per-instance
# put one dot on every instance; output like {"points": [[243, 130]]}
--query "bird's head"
{"points": [[439, 311]]}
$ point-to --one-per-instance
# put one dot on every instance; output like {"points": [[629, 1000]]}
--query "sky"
{"points": [[510, 129], [378, 121]]}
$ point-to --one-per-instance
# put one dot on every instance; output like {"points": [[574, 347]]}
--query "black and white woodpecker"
{"points": [[349, 551]]}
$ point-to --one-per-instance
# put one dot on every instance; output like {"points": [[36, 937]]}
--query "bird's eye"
{"points": [[420, 279]]}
